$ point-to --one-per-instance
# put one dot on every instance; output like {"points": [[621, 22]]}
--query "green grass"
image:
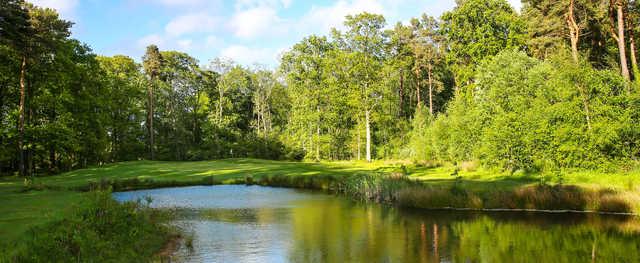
{"points": [[22, 210]]}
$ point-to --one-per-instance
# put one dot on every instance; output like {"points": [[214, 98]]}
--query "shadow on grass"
{"points": [[379, 184]]}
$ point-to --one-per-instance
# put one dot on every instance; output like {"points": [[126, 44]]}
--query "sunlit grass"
{"points": [[21, 210]]}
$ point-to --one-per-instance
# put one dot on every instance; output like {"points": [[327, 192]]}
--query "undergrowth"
{"points": [[99, 230]]}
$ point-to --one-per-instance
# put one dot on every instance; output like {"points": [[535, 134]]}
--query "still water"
{"points": [[262, 224]]}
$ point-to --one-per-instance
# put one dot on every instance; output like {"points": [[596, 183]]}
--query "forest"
{"points": [[553, 86]]}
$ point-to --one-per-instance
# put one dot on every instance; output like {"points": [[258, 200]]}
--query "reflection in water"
{"points": [[262, 224]]}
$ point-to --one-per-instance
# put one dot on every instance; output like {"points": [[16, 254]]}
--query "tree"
{"points": [[428, 51], [304, 67], [476, 29], [616, 12], [32, 32], [264, 85], [633, 15], [365, 42], [123, 82], [15, 30], [400, 56], [547, 23], [152, 62], [578, 24]]}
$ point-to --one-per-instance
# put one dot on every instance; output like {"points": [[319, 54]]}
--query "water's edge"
{"points": [[405, 192]]}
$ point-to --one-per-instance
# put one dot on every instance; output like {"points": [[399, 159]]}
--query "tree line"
{"points": [[552, 86]]}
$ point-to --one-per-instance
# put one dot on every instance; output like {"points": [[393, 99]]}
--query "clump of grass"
{"points": [[427, 164], [545, 197], [99, 230], [188, 242], [539, 197], [405, 170], [469, 166], [249, 180], [210, 180], [374, 187], [37, 186], [317, 182], [614, 204], [138, 184]]}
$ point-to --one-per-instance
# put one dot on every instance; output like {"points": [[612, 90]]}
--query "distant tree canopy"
{"points": [[553, 86]]}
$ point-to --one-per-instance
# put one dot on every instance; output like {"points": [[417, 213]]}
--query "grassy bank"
{"points": [[50, 200], [97, 229]]}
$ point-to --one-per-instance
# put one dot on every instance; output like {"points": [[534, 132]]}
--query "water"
{"points": [[264, 224]]}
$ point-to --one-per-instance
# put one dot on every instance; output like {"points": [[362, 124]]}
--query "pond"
{"points": [[235, 223]]}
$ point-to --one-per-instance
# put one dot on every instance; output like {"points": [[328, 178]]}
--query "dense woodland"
{"points": [[553, 86]]}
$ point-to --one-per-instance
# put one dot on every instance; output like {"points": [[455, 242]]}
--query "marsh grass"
{"points": [[407, 192], [539, 197]]}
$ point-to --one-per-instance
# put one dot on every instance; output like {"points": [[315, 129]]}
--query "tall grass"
{"points": [[400, 189]]}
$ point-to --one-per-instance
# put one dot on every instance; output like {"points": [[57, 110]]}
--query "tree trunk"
{"points": [[195, 128], [150, 117], [430, 89], [574, 30], [632, 51], [220, 97], [52, 159], [21, 112], [318, 134], [368, 131], [52, 150], [418, 88], [401, 93], [585, 105], [621, 42], [359, 147]]}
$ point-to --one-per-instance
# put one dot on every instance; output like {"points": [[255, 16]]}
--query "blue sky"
{"points": [[247, 31]]}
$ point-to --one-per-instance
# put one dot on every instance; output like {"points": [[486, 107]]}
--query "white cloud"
{"points": [[249, 56], [154, 39], [182, 2], [322, 18], [256, 22], [213, 42], [66, 8], [190, 23], [247, 4], [286, 3], [199, 25], [185, 44]]}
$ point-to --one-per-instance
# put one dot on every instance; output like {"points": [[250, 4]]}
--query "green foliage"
{"points": [[100, 229], [421, 138], [454, 89], [476, 29], [523, 113]]}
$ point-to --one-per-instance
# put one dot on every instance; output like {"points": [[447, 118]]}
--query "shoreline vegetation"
{"points": [[535, 109], [403, 184]]}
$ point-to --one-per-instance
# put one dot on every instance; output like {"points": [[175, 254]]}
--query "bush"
{"points": [[99, 230], [523, 113]]}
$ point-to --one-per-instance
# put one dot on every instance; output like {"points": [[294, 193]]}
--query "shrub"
{"points": [[99, 230]]}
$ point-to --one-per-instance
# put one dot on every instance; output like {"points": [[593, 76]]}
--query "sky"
{"points": [[250, 32]]}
